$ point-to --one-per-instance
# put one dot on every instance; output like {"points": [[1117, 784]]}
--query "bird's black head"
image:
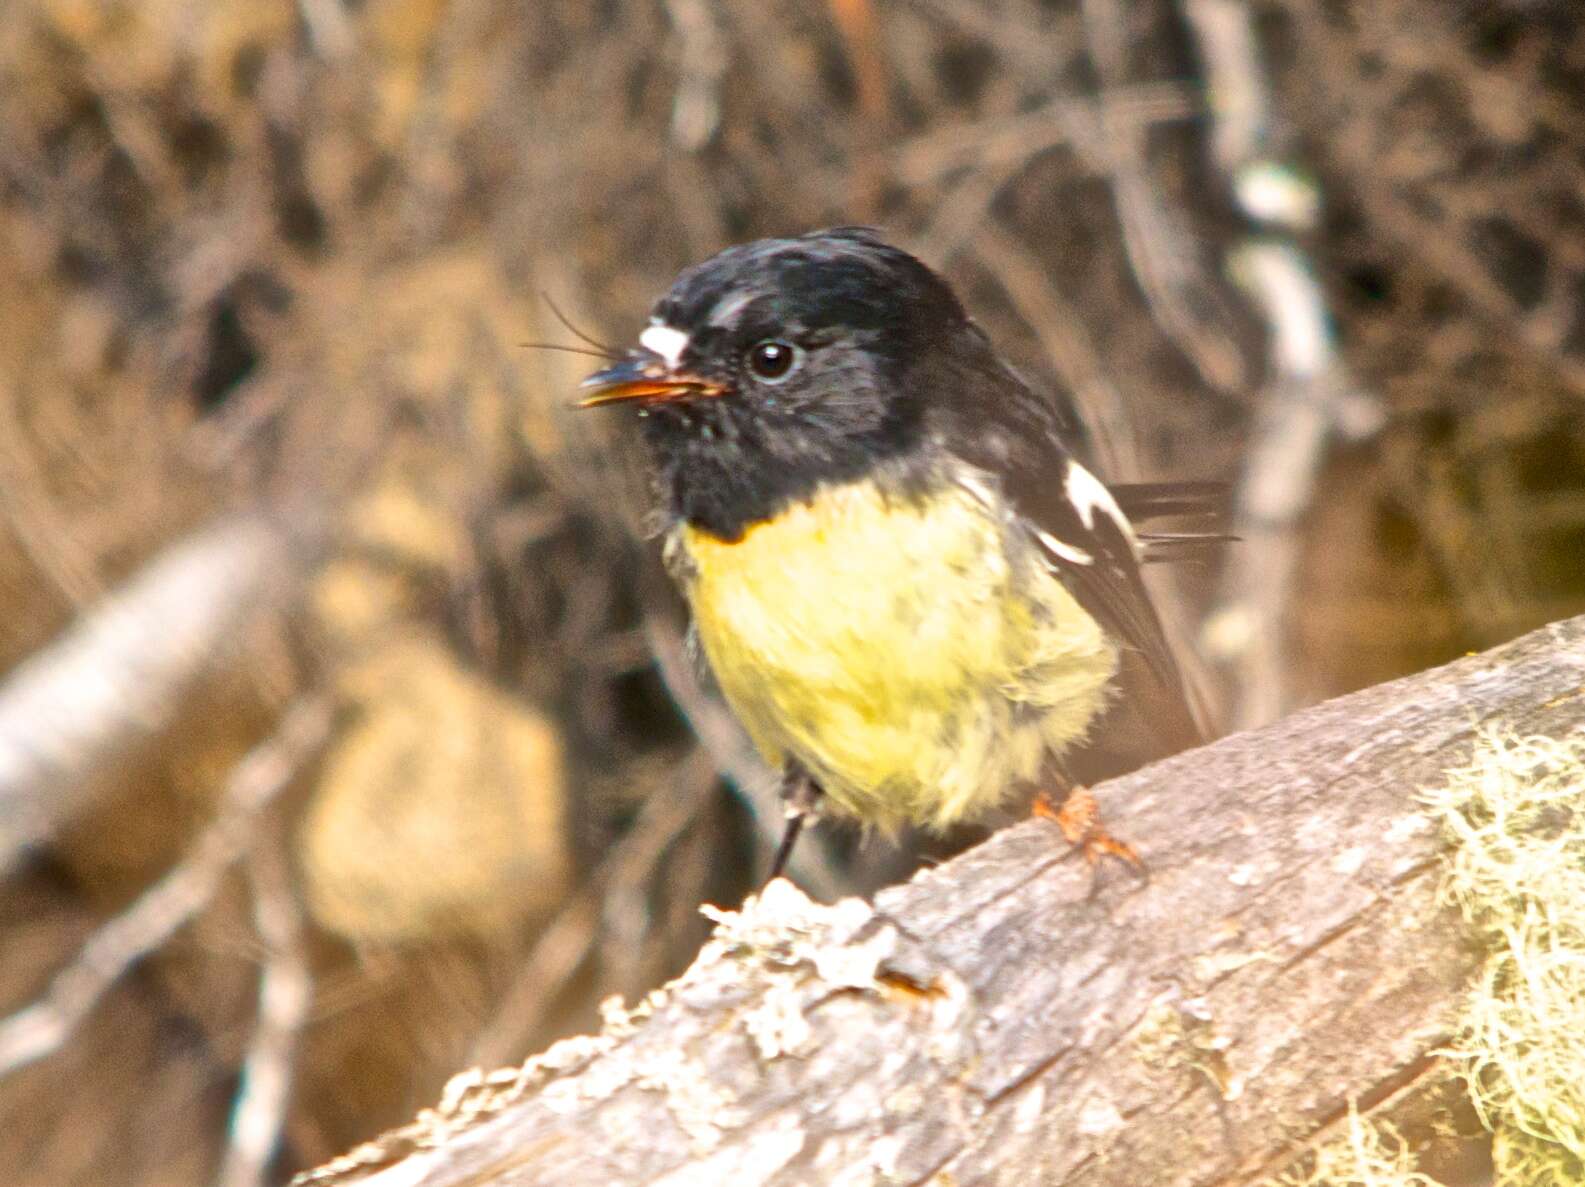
{"points": [[782, 364]]}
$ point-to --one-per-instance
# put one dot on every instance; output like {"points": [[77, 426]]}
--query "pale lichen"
{"points": [[797, 950], [777, 1025], [1516, 872], [1182, 1034], [701, 1108], [783, 926], [1368, 1154]]}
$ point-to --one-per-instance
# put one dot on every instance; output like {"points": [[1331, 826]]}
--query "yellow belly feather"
{"points": [[894, 647]]}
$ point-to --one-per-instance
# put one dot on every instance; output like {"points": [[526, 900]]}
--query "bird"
{"points": [[910, 590]]}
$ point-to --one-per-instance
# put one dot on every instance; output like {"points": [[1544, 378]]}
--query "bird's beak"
{"points": [[645, 377]]}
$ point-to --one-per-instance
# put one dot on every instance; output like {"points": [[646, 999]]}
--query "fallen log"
{"points": [[1006, 1018]]}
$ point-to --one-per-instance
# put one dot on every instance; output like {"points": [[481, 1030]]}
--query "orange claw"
{"points": [[1079, 818]]}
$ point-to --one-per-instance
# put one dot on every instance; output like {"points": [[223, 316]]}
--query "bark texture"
{"points": [[1007, 1019]]}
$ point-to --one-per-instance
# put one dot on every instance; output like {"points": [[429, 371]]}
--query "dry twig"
{"points": [[267, 770], [286, 990], [1162, 252], [696, 110], [1310, 398]]}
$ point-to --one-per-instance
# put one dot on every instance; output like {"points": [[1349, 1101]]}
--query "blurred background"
{"points": [[347, 737]]}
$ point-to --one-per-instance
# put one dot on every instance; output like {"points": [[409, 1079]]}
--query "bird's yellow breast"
{"points": [[913, 657]]}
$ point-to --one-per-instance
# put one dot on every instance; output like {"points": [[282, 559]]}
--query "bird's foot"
{"points": [[1079, 818]]}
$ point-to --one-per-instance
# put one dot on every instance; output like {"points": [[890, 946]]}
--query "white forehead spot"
{"points": [[1088, 495], [666, 341]]}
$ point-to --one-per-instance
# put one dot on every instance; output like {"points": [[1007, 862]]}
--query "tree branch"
{"points": [[116, 675], [1004, 1019]]}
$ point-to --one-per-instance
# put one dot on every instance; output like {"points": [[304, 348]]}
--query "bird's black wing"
{"points": [[1093, 548], [1144, 501], [1011, 438]]}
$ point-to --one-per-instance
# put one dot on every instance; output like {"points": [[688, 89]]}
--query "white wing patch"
{"points": [[1088, 495], [666, 341], [1074, 556], [977, 487]]}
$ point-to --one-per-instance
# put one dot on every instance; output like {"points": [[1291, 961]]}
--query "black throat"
{"points": [[722, 471]]}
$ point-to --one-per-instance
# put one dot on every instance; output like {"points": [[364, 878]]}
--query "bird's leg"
{"points": [[800, 797], [1079, 818]]}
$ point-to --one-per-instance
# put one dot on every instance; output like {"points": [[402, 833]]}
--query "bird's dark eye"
{"points": [[772, 360]]}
